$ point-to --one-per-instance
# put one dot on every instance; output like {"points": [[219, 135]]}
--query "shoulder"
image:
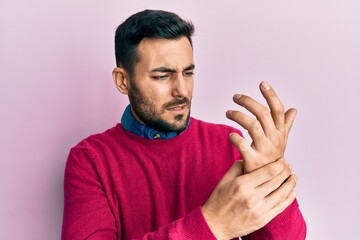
{"points": [[96, 144], [93, 153], [98, 139]]}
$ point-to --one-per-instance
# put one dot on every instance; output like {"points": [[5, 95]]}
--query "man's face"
{"points": [[161, 90]]}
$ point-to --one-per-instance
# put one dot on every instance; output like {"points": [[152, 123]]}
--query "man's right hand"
{"points": [[243, 203]]}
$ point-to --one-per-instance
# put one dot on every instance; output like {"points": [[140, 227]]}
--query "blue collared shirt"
{"points": [[132, 125]]}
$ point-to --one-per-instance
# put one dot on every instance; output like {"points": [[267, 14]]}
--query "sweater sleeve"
{"points": [[88, 215], [191, 227], [289, 224]]}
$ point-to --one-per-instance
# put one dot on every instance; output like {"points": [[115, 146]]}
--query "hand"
{"points": [[269, 131], [243, 203]]}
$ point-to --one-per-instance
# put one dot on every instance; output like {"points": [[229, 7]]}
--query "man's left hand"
{"points": [[269, 131]]}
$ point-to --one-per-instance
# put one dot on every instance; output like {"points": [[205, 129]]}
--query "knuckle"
{"points": [[279, 109], [265, 113], [255, 126], [256, 214], [239, 188], [249, 203]]}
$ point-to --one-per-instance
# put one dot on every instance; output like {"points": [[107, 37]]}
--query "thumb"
{"points": [[240, 143], [235, 171], [289, 120]]}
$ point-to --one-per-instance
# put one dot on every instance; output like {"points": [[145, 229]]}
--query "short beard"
{"points": [[146, 111]]}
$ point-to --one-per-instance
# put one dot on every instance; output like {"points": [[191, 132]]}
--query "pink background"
{"points": [[56, 88]]}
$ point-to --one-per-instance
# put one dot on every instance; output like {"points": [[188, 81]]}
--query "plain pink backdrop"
{"points": [[56, 88]]}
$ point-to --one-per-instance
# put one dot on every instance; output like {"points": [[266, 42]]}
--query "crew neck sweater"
{"points": [[119, 185]]}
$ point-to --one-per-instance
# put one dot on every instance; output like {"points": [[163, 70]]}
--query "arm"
{"points": [[289, 224], [269, 132], [242, 202], [88, 213]]}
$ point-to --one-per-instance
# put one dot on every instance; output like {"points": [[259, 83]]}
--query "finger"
{"points": [[280, 207], [261, 112], [241, 145], [265, 173], [289, 120], [253, 126], [270, 186], [236, 170], [276, 107], [282, 193]]}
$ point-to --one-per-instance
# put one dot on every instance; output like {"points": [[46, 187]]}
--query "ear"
{"points": [[121, 80]]}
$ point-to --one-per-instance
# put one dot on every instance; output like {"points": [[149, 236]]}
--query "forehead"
{"points": [[172, 53]]}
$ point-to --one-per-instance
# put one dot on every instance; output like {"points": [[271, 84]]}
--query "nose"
{"points": [[182, 86]]}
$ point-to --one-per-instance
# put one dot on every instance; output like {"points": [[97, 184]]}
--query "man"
{"points": [[161, 174]]}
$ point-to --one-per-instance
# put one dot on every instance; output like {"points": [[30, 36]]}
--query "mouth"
{"points": [[177, 108]]}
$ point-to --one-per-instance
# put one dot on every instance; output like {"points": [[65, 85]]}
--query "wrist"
{"points": [[213, 225]]}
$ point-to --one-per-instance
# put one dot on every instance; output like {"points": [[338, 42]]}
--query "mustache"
{"points": [[176, 102]]}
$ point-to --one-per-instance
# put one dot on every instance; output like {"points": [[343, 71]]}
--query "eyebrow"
{"points": [[171, 70]]}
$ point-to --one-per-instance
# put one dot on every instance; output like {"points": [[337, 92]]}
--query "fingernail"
{"points": [[265, 86], [237, 96]]}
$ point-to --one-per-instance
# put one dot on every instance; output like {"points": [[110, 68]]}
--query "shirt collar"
{"points": [[132, 125]]}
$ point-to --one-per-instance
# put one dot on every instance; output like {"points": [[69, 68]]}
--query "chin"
{"points": [[182, 121]]}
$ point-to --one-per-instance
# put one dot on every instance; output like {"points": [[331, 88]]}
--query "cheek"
{"points": [[159, 95]]}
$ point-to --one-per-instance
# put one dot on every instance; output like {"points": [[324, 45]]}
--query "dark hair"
{"points": [[147, 24]]}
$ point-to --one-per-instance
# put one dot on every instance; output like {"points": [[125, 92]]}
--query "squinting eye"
{"points": [[188, 74], [162, 77]]}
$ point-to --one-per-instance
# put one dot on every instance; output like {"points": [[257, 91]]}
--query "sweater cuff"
{"points": [[196, 226]]}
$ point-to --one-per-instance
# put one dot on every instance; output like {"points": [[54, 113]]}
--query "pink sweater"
{"points": [[122, 186]]}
